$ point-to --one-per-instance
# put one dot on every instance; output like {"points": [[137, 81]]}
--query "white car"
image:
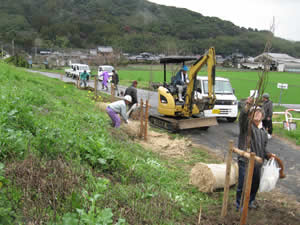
{"points": [[226, 105], [106, 68], [76, 69]]}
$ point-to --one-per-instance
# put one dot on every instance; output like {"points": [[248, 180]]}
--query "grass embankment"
{"points": [[61, 163]]}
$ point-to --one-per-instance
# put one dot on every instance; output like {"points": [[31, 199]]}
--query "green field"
{"points": [[242, 81]]}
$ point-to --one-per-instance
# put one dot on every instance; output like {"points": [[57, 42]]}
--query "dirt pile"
{"points": [[166, 146], [161, 143]]}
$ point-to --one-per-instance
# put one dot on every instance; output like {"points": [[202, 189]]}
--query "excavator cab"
{"points": [[171, 86], [176, 115]]}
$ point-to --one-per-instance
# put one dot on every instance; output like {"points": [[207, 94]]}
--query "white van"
{"points": [[106, 68], [226, 105], [76, 69]]}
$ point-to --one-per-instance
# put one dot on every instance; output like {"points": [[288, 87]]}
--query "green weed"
{"points": [[57, 146]]}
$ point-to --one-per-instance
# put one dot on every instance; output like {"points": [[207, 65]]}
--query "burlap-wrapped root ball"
{"points": [[210, 177]]}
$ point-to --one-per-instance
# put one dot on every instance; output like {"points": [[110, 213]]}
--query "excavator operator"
{"points": [[180, 81]]}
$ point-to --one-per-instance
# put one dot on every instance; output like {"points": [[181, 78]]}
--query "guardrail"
{"points": [[289, 123]]}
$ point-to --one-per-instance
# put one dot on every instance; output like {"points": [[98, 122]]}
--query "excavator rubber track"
{"points": [[177, 124]]}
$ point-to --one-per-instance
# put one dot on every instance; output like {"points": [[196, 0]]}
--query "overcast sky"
{"points": [[249, 13]]}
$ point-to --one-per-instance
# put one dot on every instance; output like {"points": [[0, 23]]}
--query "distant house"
{"points": [[252, 65], [105, 50], [93, 51], [219, 59], [280, 62]]}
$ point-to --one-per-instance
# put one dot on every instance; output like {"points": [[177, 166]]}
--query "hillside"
{"points": [[129, 25]]}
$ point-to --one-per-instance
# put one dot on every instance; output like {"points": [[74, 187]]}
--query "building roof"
{"points": [[278, 57], [105, 49]]}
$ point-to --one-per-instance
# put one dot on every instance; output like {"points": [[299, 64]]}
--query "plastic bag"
{"points": [[270, 176]]}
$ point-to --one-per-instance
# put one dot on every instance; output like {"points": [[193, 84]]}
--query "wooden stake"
{"points": [[95, 86], [248, 189], [227, 180], [112, 91], [61, 76], [199, 217], [141, 118], [146, 120], [247, 155], [78, 86]]}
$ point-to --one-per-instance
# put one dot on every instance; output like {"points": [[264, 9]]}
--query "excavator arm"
{"points": [[208, 58]]}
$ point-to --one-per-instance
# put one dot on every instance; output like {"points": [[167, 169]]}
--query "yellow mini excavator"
{"points": [[175, 115]]}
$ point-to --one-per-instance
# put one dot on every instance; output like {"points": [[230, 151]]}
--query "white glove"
{"points": [[127, 121], [134, 107]]}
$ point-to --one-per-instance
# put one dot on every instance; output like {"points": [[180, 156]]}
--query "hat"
{"points": [[185, 68], [128, 98], [266, 95]]}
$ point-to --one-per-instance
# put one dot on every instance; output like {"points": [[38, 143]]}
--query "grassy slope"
{"points": [[49, 121]]}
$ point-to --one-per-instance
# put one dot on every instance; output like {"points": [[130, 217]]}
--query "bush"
{"points": [[18, 60]]}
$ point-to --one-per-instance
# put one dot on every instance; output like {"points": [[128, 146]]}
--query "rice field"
{"points": [[242, 81]]}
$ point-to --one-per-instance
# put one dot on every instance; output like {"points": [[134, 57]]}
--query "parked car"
{"points": [[76, 69], [226, 105], [106, 68]]}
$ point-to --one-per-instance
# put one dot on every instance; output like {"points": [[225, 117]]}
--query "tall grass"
{"points": [[98, 174]]}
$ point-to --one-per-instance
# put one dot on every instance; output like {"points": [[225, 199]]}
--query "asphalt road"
{"points": [[216, 138]]}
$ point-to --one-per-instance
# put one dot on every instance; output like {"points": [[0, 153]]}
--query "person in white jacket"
{"points": [[118, 107]]}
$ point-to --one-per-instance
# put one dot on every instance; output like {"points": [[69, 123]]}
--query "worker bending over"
{"points": [[118, 107]]}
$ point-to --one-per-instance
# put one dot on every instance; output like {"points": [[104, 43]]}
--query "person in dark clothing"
{"points": [[268, 108], [258, 143], [115, 81], [180, 81], [132, 91]]}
